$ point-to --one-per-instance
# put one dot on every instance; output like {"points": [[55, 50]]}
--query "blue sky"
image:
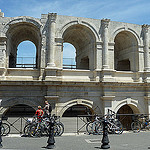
{"points": [[130, 11]]}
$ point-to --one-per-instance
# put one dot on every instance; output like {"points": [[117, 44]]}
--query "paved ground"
{"points": [[126, 141]]}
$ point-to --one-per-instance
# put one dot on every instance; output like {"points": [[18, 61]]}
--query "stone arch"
{"points": [[84, 40], [126, 110], [19, 30], [126, 57], [19, 110], [77, 22], [117, 31], [71, 103], [17, 101], [20, 100], [23, 19], [136, 107]]}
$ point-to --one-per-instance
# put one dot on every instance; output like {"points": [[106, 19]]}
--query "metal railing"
{"points": [[26, 62], [69, 63], [30, 62]]}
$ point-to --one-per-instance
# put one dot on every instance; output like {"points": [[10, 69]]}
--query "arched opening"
{"points": [[126, 52], [83, 39], [69, 56], [21, 33], [26, 55], [20, 110], [125, 115], [76, 110]]}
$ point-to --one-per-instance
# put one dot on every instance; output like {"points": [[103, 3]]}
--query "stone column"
{"points": [[147, 104], [51, 45], [2, 52], [105, 23], [146, 48]]}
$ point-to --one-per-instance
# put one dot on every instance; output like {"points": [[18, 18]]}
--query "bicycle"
{"points": [[38, 129], [114, 125], [5, 129], [28, 125], [141, 122], [90, 125]]}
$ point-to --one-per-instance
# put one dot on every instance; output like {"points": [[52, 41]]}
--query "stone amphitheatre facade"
{"points": [[112, 64]]}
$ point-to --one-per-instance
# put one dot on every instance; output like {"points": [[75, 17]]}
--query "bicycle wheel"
{"points": [[5, 129], [89, 128], [97, 127], [60, 128], [26, 129], [110, 128], [35, 131], [118, 127], [136, 126], [56, 129]]}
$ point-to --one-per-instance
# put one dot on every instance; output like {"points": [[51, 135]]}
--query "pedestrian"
{"points": [[39, 114], [47, 109]]}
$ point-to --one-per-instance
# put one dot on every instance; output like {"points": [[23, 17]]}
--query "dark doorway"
{"points": [[20, 110], [76, 110], [126, 120], [123, 65]]}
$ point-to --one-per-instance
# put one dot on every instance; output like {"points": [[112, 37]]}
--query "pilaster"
{"points": [[105, 24], [146, 47], [107, 102], [51, 46]]}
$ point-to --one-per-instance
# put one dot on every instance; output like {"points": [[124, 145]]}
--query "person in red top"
{"points": [[39, 113]]}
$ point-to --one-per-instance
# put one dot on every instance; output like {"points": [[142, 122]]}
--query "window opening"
{"points": [[26, 55], [69, 55]]}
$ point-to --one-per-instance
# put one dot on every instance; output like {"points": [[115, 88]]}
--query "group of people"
{"points": [[45, 112]]}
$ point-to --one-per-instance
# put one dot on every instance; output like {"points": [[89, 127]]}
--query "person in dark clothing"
{"points": [[47, 109]]}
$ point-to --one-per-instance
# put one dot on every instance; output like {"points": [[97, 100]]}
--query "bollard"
{"points": [[105, 140], [51, 139], [0, 134]]}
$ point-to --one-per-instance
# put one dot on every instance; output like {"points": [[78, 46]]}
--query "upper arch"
{"points": [[75, 22], [23, 19], [117, 31], [19, 100]]}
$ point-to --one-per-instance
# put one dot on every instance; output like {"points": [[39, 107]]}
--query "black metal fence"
{"points": [[71, 124]]}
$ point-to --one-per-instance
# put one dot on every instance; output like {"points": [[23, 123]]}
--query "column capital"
{"points": [[52, 17], [145, 27], [105, 22]]}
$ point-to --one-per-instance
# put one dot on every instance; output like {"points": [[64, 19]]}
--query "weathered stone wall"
{"points": [[100, 80]]}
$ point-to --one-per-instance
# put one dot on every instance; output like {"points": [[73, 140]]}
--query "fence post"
{"points": [[105, 139], [51, 139]]}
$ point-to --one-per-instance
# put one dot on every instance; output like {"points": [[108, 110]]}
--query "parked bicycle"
{"points": [[141, 122], [38, 129], [96, 126], [5, 129]]}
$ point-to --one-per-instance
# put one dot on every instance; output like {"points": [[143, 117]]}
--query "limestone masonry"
{"points": [[112, 64]]}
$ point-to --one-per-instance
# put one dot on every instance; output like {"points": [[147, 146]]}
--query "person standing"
{"points": [[47, 109], [39, 113]]}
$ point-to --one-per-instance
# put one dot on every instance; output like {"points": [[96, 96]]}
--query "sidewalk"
{"points": [[126, 141]]}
